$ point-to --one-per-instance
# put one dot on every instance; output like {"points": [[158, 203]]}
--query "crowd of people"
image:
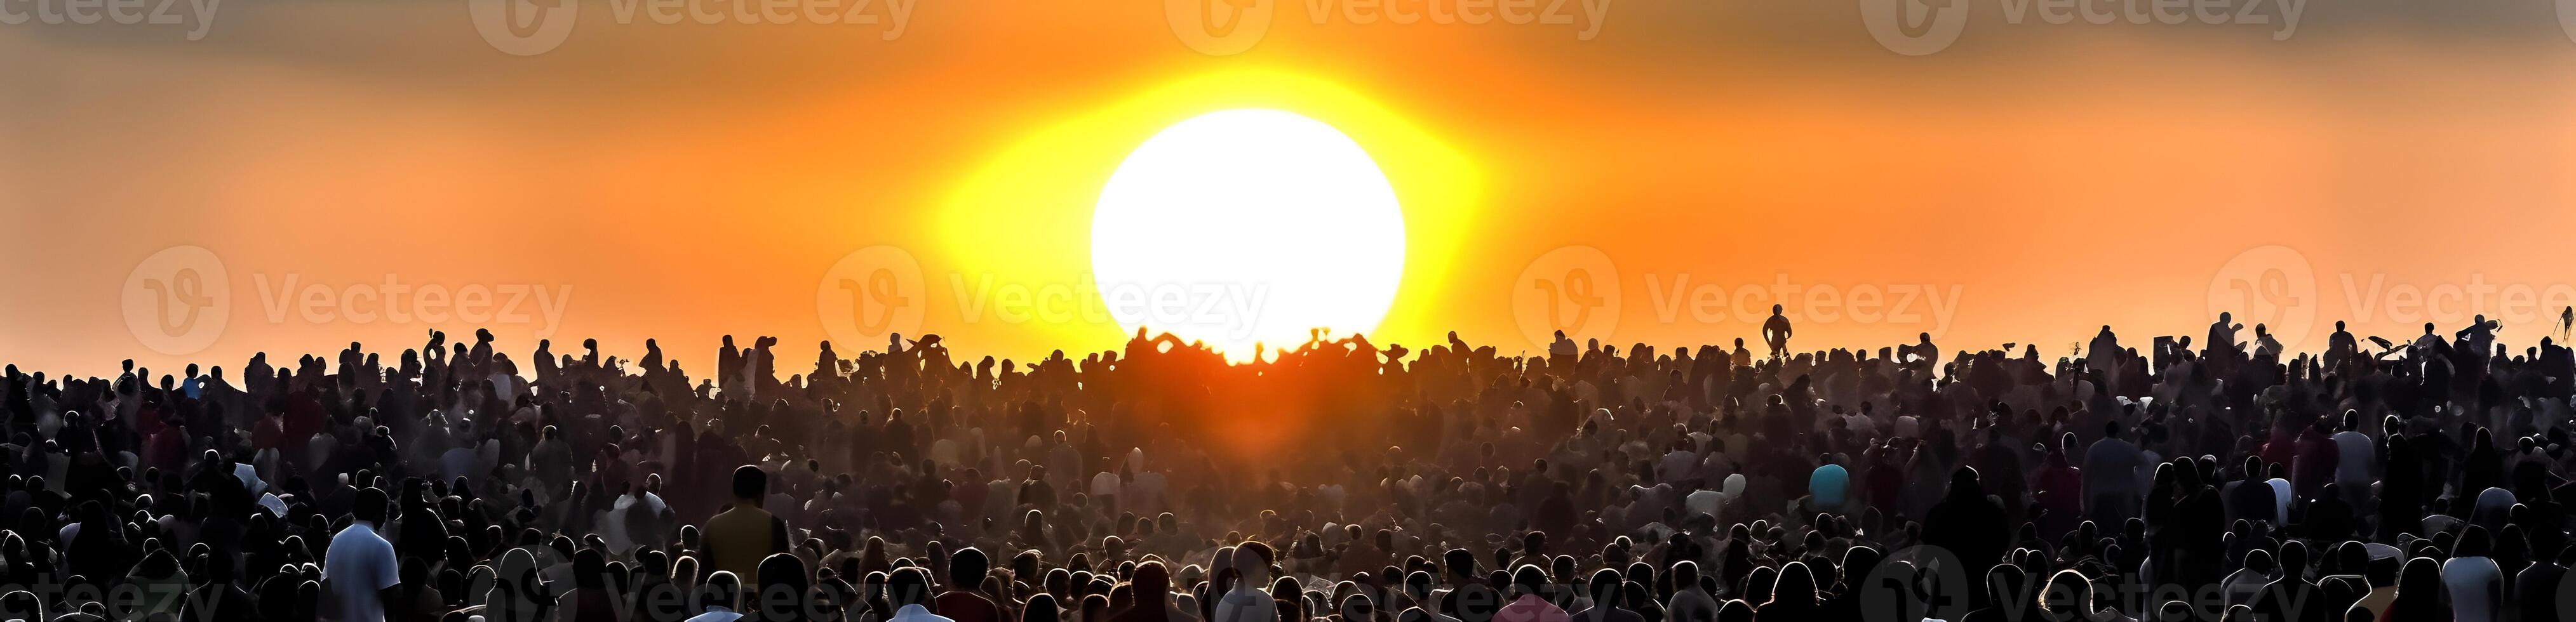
{"points": [[1334, 481]]}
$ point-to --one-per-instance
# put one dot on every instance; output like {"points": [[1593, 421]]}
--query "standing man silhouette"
{"points": [[1775, 331]]}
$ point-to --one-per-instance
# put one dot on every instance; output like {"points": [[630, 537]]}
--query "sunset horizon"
{"points": [[1287, 311]]}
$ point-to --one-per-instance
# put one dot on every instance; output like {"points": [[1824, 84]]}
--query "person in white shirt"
{"points": [[2280, 497], [1105, 487], [360, 568], [2354, 453], [1706, 501], [2427, 341], [2475, 582]]}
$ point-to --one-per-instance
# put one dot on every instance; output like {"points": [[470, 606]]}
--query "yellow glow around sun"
{"points": [[1168, 241], [1015, 258]]}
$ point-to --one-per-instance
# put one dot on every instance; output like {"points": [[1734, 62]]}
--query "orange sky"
{"points": [[685, 181]]}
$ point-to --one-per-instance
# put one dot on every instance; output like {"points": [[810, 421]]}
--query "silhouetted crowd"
{"points": [[1333, 481]]}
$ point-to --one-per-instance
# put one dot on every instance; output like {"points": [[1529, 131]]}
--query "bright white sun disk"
{"points": [[1245, 226]]}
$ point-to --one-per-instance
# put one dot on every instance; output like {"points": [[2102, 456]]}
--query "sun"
{"points": [[1248, 226], [1012, 267]]}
